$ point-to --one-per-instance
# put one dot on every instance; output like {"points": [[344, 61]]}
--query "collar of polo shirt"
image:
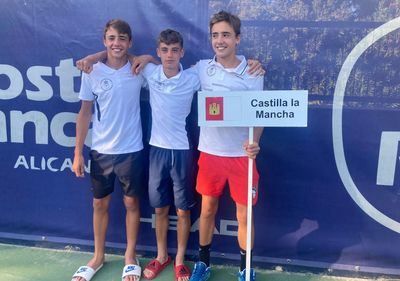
{"points": [[240, 69], [165, 78]]}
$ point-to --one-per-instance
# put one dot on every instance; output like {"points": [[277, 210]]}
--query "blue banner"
{"points": [[329, 193]]}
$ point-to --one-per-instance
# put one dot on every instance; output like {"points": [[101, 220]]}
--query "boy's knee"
{"points": [[241, 215], [131, 203], [183, 213], [162, 212], [208, 211], [100, 205]]}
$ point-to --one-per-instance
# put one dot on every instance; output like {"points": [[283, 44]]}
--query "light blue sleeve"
{"points": [[258, 83], [148, 70], [194, 69], [194, 72], [85, 93]]}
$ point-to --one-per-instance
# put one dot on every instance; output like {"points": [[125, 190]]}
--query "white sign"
{"points": [[253, 108]]}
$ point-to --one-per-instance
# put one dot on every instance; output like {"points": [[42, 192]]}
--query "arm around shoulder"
{"points": [[139, 62], [255, 68], [86, 64]]}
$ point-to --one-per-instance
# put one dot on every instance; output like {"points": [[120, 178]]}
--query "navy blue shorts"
{"points": [[171, 178], [127, 168]]}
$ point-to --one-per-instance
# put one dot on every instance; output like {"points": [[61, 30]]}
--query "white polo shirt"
{"points": [[116, 125], [170, 101], [225, 141]]}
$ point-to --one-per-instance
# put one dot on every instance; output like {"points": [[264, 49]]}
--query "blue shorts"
{"points": [[171, 178], [127, 168]]}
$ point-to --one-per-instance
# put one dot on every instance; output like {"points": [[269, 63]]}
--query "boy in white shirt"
{"points": [[116, 150], [224, 147], [171, 93]]}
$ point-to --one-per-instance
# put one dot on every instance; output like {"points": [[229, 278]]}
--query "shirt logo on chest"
{"points": [[106, 84], [211, 70]]}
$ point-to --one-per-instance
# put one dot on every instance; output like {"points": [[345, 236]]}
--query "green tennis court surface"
{"points": [[21, 263]]}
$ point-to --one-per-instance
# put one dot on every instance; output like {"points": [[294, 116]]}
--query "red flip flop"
{"points": [[181, 271], [156, 267]]}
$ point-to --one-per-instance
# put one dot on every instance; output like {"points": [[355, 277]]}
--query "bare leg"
{"points": [[241, 214], [209, 208], [132, 229], [183, 236], [100, 223], [162, 223]]}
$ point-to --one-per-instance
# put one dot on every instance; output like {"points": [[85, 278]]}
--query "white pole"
{"points": [[249, 208]]}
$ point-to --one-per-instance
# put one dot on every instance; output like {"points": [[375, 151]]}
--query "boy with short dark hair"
{"points": [[171, 93], [116, 150], [224, 147]]}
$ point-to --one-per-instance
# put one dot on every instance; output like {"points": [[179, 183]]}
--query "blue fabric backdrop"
{"points": [[329, 193]]}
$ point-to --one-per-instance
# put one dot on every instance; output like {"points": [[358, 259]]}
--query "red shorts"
{"points": [[216, 171]]}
